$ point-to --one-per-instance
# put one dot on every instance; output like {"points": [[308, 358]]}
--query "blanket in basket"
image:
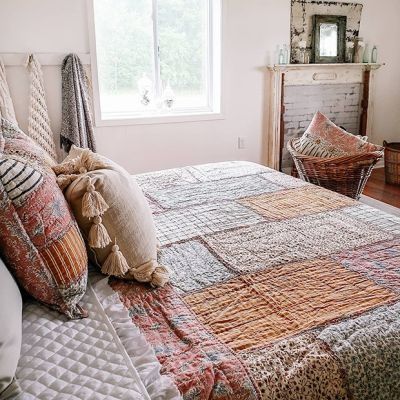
{"points": [[280, 289]]}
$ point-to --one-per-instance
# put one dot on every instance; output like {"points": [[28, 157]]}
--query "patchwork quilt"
{"points": [[279, 289]]}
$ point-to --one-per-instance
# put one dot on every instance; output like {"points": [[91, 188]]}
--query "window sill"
{"points": [[162, 119]]}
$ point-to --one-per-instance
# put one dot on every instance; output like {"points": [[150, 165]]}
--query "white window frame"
{"points": [[217, 19]]}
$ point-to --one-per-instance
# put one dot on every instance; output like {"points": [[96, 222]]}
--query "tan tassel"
{"points": [[115, 264], [86, 160], [93, 161], [64, 181], [144, 272], [98, 235], [160, 277], [68, 167], [93, 203]]}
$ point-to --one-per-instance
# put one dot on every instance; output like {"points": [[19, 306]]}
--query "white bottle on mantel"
{"points": [[366, 55], [281, 57], [359, 50], [374, 55], [285, 54]]}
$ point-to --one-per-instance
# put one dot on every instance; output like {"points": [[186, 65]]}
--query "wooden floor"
{"points": [[379, 190]]}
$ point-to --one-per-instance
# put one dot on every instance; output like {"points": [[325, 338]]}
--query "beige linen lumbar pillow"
{"points": [[114, 216]]}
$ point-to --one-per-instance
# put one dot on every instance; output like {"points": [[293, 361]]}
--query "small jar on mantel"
{"points": [[367, 54], [350, 52], [307, 56], [302, 49], [359, 47], [374, 55]]}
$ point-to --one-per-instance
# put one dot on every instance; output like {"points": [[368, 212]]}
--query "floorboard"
{"points": [[379, 190]]}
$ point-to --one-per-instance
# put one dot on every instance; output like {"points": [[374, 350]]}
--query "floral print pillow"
{"points": [[39, 238], [324, 139]]}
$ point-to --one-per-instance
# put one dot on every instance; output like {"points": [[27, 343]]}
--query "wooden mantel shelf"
{"points": [[291, 67], [285, 76]]}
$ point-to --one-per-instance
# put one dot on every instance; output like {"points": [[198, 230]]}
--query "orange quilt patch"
{"points": [[297, 202], [256, 309]]}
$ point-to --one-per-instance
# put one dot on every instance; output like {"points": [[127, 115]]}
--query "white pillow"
{"points": [[10, 332]]}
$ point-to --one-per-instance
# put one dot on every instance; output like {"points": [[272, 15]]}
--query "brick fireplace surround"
{"points": [[343, 92]]}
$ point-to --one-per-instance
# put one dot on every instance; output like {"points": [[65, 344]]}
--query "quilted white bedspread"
{"points": [[87, 359]]}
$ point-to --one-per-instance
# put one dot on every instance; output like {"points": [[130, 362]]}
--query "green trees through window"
{"points": [[149, 51]]}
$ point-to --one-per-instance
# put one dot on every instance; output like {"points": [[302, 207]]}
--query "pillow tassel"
{"points": [[144, 272], [160, 277], [98, 235], [93, 203], [64, 181], [151, 272], [86, 160], [115, 264]]}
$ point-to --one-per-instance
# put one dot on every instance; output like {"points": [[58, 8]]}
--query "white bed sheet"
{"points": [[103, 356]]}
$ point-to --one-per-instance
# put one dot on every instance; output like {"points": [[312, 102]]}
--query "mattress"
{"points": [[100, 357], [279, 289]]}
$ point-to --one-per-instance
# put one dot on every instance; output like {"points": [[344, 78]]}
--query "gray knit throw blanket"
{"points": [[77, 120]]}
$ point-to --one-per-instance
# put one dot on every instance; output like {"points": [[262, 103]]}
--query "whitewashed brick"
{"points": [[341, 103]]}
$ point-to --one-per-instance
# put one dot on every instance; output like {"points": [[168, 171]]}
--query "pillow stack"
{"points": [[324, 139], [114, 216], [39, 238]]}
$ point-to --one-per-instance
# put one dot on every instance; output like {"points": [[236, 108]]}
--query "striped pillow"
{"points": [[324, 139], [18, 179], [39, 238]]}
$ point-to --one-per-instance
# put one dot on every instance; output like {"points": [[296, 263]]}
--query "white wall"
{"points": [[252, 31], [41, 26], [380, 26]]}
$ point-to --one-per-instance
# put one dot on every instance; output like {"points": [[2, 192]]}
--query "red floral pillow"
{"points": [[324, 139], [39, 238]]}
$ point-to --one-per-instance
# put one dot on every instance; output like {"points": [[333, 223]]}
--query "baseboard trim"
{"points": [[380, 164], [380, 205]]}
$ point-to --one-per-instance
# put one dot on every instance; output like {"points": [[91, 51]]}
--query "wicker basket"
{"points": [[346, 175], [392, 163]]}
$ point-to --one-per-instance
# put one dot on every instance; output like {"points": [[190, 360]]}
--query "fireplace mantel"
{"points": [[287, 67], [284, 76]]}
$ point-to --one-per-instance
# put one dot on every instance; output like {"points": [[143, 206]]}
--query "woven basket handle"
{"points": [[385, 143]]}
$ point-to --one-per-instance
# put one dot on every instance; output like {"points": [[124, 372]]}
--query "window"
{"points": [[156, 57]]}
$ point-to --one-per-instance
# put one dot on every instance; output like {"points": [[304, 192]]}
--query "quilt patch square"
{"points": [[380, 262], [212, 191], [269, 244], [175, 225], [226, 170], [286, 181], [192, 266], [380, 219], [165, 179], [297, 202], [201, 366], [296, 368], [284, 301], [370, 341]]}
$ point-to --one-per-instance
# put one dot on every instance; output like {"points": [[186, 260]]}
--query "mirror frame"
{"points": [[341, 22]]}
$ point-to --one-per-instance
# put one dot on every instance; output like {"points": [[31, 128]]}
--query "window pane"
{"points": [[183, 39], [125, 54]]}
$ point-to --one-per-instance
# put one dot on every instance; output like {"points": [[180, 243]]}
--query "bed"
{"points": [[279, 290]]}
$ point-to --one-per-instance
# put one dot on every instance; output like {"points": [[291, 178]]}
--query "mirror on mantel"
{"points": [[328, 34], [328, 39]]}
